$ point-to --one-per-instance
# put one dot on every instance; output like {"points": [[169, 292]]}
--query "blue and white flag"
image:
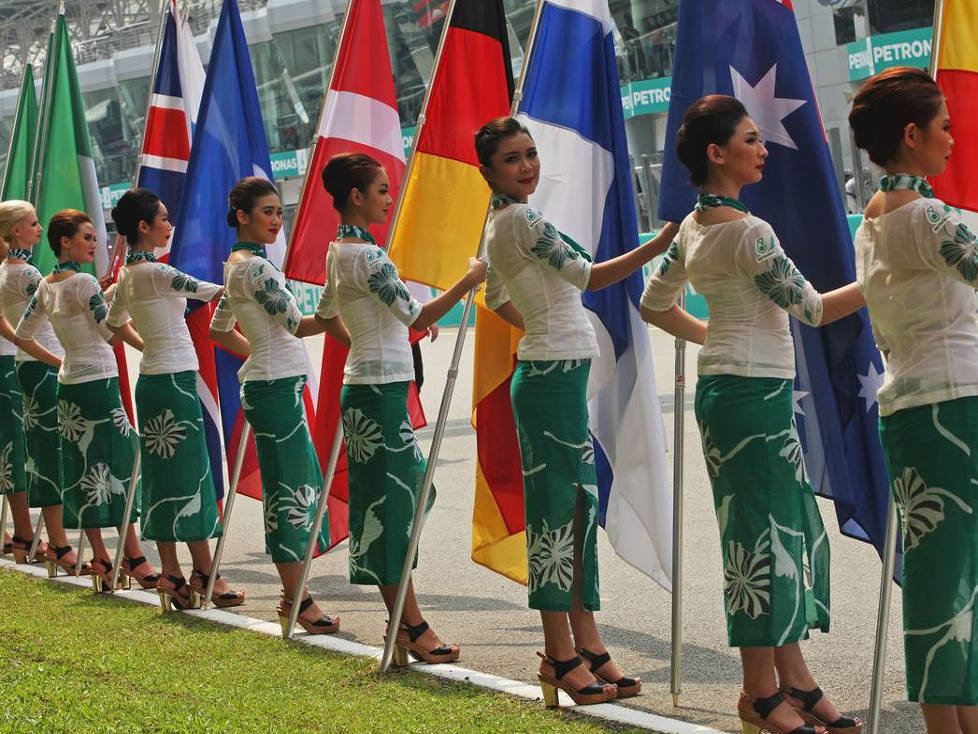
{"points": [[228, 144], [572, 105], [750, 49]]}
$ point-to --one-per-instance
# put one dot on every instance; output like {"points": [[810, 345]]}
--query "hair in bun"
{"points": [[245, 195], [346, 172], [709, 120], [135, 206]]}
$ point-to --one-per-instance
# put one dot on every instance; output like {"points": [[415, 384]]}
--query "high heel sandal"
{"points": [[407, 643], [180, 597], [589, 694], [21, 548], [323, 626], [199, 581], [627, 687], [128, 572], [809, 699], [753, 714], [101, 572], [53, 561]]}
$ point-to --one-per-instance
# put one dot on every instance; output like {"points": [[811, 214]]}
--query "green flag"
{"points": [[64, 167], [17, 173]]}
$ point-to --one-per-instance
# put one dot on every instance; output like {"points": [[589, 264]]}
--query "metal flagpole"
{"points": [[299, 594], [883, 620], [679, 421], [81, 549], [889, 549], [322, 113], [446, 400], [4, 511], [37, 537], [43, 128], [126, 522], [228, 507]]}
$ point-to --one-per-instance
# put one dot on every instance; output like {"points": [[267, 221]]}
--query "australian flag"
{"points": [[751, 50], [228, 144]]}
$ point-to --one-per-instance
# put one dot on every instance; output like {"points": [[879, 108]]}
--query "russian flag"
{"points": [[228, 144], [572, 105]]}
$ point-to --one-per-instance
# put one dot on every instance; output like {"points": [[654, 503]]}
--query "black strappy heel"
{"points": [[180, 597], [589, 694], [325, 625], [753, 714], [809, 699], [408, 643], [147, 581], [199, 581], [53, 562], [627, 687]]}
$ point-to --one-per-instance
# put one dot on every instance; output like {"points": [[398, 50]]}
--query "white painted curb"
{"points": [[606, 711]]}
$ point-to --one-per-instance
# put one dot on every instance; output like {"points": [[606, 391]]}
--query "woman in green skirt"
{"points": [[917, 265], [366, 307], [98, 445], [179, 500], [36, 385], [775, 551], [272, 382], [535, 280]]}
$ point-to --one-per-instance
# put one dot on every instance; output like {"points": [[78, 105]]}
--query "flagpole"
{"points": [[228, 507], [419, 125], [37, 537], [4, 509], [679, 421], [322, 113], [298, 594], [81, 551], [935, 51], [446, 400], [40, 143], [126, 521]]}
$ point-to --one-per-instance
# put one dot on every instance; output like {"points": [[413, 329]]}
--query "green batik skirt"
{"points": [[775, 551], [559, 482], [932, 456], [39, 386], [291, 480], [179, 500], [386, 470], [98, 448], [12, 475]]}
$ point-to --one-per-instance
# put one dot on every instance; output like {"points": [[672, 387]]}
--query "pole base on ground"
{"points": [[675, 700]]}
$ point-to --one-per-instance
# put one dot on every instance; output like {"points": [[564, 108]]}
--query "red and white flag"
{"points": [[359, 115]]}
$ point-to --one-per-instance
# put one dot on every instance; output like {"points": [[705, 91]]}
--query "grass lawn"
{"points": [[73, 662]]}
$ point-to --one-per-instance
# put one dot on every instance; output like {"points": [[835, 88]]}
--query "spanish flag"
{"points": [[956, 46], [441, 216]]}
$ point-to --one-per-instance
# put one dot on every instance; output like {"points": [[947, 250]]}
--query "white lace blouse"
{"points": [[917, 267], [543, 275], [255, 296], [750, 287], [362, 286], [154, 295], [76, 308], [18, 283]]}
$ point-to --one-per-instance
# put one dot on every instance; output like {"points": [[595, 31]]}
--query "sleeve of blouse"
{"points": [[948, 245], [668, 281], [118, 312], [90, 293], [328, 307], [34, 316], [762, 260], [168, 281], [223, 319], [540, 239], [377, 274], [496, 293], [267, 286]]}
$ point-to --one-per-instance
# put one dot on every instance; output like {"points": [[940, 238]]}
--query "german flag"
{"points": [[445, 198], [956, 41]]}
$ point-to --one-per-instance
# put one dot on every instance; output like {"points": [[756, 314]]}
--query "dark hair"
{"points": [[65, 223], [245, 194], [709, 120], [489, 136], [886, 104], [135, 206], [348, 171]]}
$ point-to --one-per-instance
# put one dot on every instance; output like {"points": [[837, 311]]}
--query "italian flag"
{"points": [[64, 167], [17, 174]]}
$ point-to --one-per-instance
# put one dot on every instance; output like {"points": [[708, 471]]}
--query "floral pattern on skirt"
{"points": [[39, 387], [386, 470], [559, 481], [774, 547], [932, 456], [291, 479], [12, 456], [98, 449], [179, 499]]}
